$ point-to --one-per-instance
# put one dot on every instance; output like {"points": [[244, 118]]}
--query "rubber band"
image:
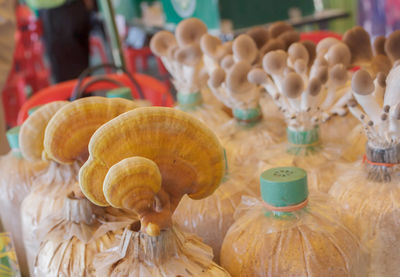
{"points": [[365, 160], [291, 208]]}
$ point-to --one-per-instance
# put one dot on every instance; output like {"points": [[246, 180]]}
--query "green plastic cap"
{"points": [[189, 100], [303, 137], [284, 186], [123, 92], [13, 137], [248, 115], [32, 110]]}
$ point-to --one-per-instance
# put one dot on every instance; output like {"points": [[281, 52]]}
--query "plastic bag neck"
{"points": [[248, 117], [382, 163], [79, 210], [189, 101], [303, 142]]}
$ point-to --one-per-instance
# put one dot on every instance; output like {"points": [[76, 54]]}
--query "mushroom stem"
{"points": [[379, 92], [394, 123], [330, 96], [368, 103]]}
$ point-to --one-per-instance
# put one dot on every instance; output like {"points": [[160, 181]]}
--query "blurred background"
{"points": [[55, 40]]}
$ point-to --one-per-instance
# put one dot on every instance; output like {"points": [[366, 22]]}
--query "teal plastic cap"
{"points": [[284, 186], [123, 92], [32, 110], [248, 115], [13, 137]]}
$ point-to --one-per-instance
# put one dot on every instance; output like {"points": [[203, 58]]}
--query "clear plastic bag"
{"points": [[72, 237], [245, 143], [16, 177], [307, 242], [193, 104], [316, 157], [211, 217], [370, 194], [172, 253], [47, 197]]}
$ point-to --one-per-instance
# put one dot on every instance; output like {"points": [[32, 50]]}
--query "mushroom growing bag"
{"points": [[71, 238], [308, 96], [16, 177], [289, 234], [211, 217], [369, 189], [172, 253], [43, 134], [145, 161]]}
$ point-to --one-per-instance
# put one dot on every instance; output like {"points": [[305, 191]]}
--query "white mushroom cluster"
{"points": [[181, 54], [307, 91], [229, 81], [379, 106]]}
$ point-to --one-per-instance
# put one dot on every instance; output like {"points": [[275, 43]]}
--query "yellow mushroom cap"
{"points": [[190, 31], [32, 130], [69, 130], [187, 153], [244, 48], [162, 42], [132, 182]]}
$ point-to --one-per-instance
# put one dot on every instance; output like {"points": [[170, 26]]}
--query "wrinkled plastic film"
{"points": [[16, 178], [47, 197], [173, 253], [211, 217], [71, 238], [373, 210], [246, 145], [307, 242]]}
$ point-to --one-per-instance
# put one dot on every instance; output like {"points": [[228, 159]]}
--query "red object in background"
{"points": [[96, 44], [13, 96], [317, 36], [133, 55], [28, 70], [153, 90]]}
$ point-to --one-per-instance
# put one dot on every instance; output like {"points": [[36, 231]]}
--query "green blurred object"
{"points": [[256, 12], [107, 11], [342, 25], [8, 258], [206, 10]]}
